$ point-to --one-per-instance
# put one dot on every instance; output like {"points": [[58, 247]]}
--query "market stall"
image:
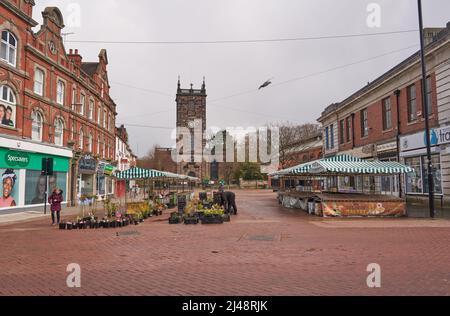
{"points": [[341, 186]]}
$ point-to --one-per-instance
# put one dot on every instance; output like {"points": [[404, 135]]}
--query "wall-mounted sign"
{"points": [[87, 164], [17, 159], [438, 136]]}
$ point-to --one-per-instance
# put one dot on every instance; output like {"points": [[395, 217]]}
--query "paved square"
{"points": [[265, 250]]}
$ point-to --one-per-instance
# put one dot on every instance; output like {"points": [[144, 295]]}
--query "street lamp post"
{"points": [[425, 110]]}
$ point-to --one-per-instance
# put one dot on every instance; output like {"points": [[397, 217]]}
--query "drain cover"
{"points": [[262, 238], [128, 233]]}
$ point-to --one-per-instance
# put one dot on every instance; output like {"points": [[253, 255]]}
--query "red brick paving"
{"points": [[266, 250]]}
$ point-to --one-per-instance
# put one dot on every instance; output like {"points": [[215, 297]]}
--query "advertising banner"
{"points": [[26, 160], [9, 191], [361, 208]]}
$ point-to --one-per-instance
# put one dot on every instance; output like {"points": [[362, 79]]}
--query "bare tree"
{"points": [[292, 135]]}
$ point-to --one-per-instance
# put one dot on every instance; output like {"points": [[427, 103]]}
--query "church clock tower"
{"points": [[191, 115]]}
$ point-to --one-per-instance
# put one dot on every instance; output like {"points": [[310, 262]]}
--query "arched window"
{"points": [[36, 126], [59, 132], [90, 140], [7, 106], [8, 48], [81, 140]]}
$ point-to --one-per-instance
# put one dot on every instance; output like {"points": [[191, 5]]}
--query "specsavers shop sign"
{"points": [[15, 159], [438, 136]]}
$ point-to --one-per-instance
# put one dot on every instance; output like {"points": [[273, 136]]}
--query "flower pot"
{"points": [[226, 217], [160, 212], [212, 219], [193, 220], [62, 226], [69, 226], [175, 220]]}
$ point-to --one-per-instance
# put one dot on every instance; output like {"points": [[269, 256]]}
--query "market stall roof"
{"points": [[305, 167], [359, 167], [345, 164], [139, 173], [179, 176]]}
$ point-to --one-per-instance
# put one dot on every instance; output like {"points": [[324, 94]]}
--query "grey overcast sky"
{"points": [[232, 69]]}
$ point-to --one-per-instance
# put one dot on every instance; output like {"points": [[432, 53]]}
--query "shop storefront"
{"points": [[86, 176], [105, 181], [23, 186], [414, 154]]}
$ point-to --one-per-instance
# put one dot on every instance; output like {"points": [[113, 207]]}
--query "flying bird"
{"points": [[265, 84]]}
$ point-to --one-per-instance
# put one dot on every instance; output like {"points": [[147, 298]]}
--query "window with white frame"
{"points": [[90, 140], [36, 126], [74, 98], [81, 140], [59, 132], [91, 109], [39, 81], [82, 103], [60, 92], [104, 118], [8, 48], [99, 112], [98, 145], [7, 106]]}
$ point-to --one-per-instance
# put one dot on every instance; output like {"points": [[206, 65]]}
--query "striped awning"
{"points": [[359, 167], [345, 164], [139, 173], [305, 167]]}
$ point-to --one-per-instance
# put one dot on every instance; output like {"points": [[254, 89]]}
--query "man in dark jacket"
{"points": [[228, 201]]}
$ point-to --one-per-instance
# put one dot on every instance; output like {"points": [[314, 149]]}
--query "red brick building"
{"points": [[385, 119], [59, 105]]}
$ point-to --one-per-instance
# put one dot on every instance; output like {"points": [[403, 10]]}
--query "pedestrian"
{"points": [[228, 201], [55, 204]]}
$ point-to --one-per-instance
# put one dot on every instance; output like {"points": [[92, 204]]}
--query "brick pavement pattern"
{"points": [[265, 250]]}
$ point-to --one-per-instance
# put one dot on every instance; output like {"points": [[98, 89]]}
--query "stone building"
{"points": [[191, 118]]}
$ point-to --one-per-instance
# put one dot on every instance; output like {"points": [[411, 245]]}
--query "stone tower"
{"points": [[191, 115]]}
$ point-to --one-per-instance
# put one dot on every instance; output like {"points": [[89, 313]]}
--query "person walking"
{"points": [[55, 204]]}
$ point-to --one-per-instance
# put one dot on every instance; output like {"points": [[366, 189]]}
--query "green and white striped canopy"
{"points": [[139, 173], [345, 164], [359, 167], [305, 167]]}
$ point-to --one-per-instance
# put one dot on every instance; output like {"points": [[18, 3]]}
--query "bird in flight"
{"points": [[265, 84]]}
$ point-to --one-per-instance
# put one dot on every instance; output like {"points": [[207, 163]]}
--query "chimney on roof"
{"points": [[75, 57]]}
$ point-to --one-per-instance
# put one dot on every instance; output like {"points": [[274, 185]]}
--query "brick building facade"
{"points": [[59, 107]]}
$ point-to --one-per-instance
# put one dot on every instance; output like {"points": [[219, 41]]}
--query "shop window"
{"points": [[36, 126], [8, 48], [417, 183], [35, 186], [7, 107], [59, 132]]}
